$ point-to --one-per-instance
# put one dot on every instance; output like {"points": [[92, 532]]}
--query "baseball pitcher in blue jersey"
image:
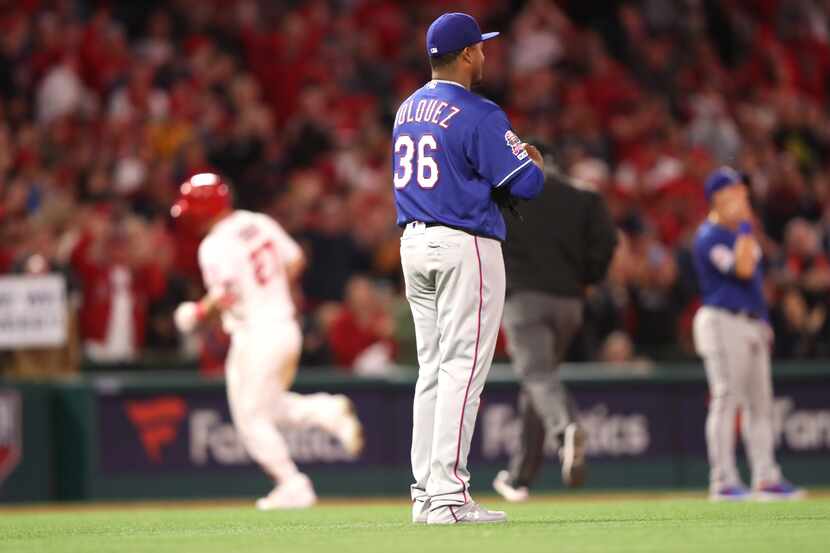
{"points": [[451, 150], [733, 336]]}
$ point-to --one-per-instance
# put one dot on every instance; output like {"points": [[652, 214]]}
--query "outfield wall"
{"points": [[159, 435]]}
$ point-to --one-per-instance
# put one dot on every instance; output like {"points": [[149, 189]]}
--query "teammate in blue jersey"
{"points": [[733, 336], [451, 150]]}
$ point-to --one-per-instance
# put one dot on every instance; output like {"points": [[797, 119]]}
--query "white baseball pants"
{"points": [[735, 351], [455, 286], [260, 368]]}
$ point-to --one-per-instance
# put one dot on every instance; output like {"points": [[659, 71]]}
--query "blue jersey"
{"points": [[451, 147], [715, 264]]}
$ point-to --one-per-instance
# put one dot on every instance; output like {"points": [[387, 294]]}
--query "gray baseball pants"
{"points": [[540, 328], [735, 352], [455, 287]]}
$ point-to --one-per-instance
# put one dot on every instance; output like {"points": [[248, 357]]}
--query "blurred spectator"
{"points": [[361, 337], [119, 278], [607, 306], [334, 255], [541, 32], [61, 92], [653, 275], [318, 325], [712, 128], [618, 351], [800, 331], [806, 265], [617, 348]]}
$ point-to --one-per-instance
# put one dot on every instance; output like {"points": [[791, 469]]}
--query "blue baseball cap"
{"points": [[452, 32], [721, 178]]}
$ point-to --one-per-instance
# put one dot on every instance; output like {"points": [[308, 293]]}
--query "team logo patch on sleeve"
{"points": [[515, 145], [722, 257]]}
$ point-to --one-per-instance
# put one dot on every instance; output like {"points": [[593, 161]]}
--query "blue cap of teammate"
{"points": [[452, 32], [721, 178]]}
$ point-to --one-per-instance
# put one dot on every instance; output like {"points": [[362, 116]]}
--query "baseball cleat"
{"points": [[348, 429], [780, 491], [572, 455], [295, 493], [730, 493], [420, 511], [469, 513], [503, 485]]}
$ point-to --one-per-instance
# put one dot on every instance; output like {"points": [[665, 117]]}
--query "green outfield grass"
{"points": [[582, 524]]}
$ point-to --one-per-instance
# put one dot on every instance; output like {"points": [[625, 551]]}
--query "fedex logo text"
{"points": [[213, 439]]}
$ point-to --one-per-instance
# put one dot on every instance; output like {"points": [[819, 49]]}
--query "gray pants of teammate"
{"points": [[455, 287], [540, 328], [735, 351]]}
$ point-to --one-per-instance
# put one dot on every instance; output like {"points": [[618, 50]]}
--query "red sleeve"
{"points": [[79, 259]]}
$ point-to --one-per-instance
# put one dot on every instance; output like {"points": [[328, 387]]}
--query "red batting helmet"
{"points": [[201, 198]]}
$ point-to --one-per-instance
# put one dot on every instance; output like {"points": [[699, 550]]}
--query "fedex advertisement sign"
{"points": [[192, 429], [160, 433]]}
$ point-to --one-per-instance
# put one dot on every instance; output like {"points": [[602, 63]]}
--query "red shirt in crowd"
{"points": [[349, 337], [146, 283]]}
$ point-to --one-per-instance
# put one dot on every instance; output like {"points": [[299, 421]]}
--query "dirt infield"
{"points": [[578, 497]]}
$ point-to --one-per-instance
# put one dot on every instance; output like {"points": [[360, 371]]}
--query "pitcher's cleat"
{"points": [[295, 493], [347, 427], [572, 455], [730, 493], [780, 491], [420, 511], [469, 513], [507, 490]]}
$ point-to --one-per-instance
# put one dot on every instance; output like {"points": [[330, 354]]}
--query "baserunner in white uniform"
{"points": [[733, 336], [451, 149], [248, 263]]}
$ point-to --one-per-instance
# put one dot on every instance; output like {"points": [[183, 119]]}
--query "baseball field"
{"points": [[663, 523]]}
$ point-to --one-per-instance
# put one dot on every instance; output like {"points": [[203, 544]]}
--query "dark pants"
{"points": [[539, 330]]}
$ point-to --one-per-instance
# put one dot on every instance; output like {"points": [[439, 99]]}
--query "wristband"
{"points": [[744, 227]]}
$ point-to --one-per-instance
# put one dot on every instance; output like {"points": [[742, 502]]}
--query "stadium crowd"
{"points": [[105, 107]]}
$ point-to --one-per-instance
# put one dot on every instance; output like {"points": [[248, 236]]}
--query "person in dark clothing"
{"points": [[334, 256], [563, 242]]}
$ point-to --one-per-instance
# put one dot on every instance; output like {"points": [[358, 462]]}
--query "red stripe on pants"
{"points": [[472, 369]]}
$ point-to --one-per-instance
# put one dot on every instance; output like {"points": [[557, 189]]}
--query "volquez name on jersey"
{"points": [[427, 111]]}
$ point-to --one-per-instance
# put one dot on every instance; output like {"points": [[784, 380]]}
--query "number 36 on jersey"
{"points": [[415, 157]]}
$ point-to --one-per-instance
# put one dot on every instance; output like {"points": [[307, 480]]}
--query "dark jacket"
{"points": [[565, 242]]}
